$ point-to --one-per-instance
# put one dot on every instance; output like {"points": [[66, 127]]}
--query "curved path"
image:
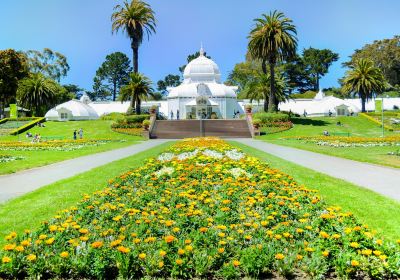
{"points": [[380, 179], [20, 183]]}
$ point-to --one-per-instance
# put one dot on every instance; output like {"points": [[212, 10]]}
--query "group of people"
{"points": [[35, 139], [80, 132], [172, 115]]}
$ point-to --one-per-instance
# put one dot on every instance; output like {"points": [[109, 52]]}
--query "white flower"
{"points": [[238, 172], [164, 170], [165, 157], [213, 154], [234, 154]]}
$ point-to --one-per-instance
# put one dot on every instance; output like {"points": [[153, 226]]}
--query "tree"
{"points": [[138, 88], [51, 64], [169, 81], [115, 71], [134, 18], [244, 73], [272, 40], [100, 91], [363, 78], [75, 90], [36, 92], [190, 58], [317, 62], [296, 75], [13, 68], [386, 56]]}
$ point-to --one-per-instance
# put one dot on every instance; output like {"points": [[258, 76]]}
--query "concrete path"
{"points": [[20, 183], [380, 179]]}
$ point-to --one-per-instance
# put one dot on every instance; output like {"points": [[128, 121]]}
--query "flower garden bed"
{"points": [[201, 209], [129, 131], [339, 141], [56, 145], [8, 158]]}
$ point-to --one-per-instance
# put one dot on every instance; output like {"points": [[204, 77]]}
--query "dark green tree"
{"points": [[50, 63], [169, 81], [317, 63], [37, 92], [13, 67], [296, 75], [100, 91], [363, 79], [136, 18], [272, 40], [114, 72], [75, 90]]}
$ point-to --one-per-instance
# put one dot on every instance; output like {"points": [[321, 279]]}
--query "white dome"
{"points": [[192, 90], [72, 110], [202, 69]]}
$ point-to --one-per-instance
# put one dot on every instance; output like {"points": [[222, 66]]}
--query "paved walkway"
{"points": [[20, 183], [380, 179]]}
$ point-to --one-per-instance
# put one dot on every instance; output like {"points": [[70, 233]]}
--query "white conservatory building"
{"points": [[202, 95], [73, 110]]}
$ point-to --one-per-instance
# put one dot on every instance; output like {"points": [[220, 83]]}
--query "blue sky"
{"points": [[81, 29]]}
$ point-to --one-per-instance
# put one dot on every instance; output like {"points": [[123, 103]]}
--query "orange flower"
{"points": [[64, 254], [97, 244], [355, 263], [169, 238], [123, 249], [279, 256], [236, 263], [179, 261]]}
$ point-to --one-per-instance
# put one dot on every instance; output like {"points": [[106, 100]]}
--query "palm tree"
{"points": [[36, 92], [363, 78], [260, 86], [272, 40], [138, 88], [135, 18]]}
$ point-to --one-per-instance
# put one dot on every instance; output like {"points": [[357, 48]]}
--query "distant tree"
{"points": [[135, 18], [169, 81], [13, 67], [244, 73], [363, 79], [317, 62], [190, 58], [115, 72], [74, 89], [138, 88], [62, 94], [297, 76], [386, 56], [51, 64], [272, 40], [100, 90], [37, 92]]}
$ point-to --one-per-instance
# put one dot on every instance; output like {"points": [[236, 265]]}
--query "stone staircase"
{"points": [[178, 129]]}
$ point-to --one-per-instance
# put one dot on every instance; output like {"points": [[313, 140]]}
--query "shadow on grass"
{"points": [[312, 122]]}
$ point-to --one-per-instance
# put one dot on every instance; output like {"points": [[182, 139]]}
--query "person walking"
{"points": [[177, 114], [81, 133], [74, 134]]}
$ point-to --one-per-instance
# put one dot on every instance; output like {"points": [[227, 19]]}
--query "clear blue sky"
{"points": [[81, 29]]}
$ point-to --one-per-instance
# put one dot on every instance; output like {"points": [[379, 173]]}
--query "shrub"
{"points": [[271, 117], [112, 117], [27, 126]]}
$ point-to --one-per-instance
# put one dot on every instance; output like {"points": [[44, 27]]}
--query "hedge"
{"points": [[271, 117], [387, 127], [27, 126]]}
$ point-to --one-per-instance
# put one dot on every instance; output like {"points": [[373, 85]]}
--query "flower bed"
{"points": [[339, 141], [56, 145], [129, 131], [276, 127], [8, 158], [201, 209]]}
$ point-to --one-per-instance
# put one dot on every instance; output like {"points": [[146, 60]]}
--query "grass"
{"points": [[356, 126], [28, 211], [380, 213], [92, 130]]}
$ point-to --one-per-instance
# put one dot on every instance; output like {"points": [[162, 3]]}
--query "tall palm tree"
{"points": [[272, 40], [135, 18], [363, 78], [138, 88], [37, 92]]}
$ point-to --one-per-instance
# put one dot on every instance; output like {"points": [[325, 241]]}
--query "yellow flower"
{"points": [[52, 228], [117, 218], [25, 243], [366, 252], [354, 244], [279, 256], [19, 248], [299, 257], [9, 247], [97, 244], [49, 241], [355, 263], [162, 253], [188, 241], [179, 261], [169, 223], [42, 236], [84, 231], [379, 242], [31, 257], [160, 264], [221, 234], [64, 254], [6, 260], [203, 229], [236, 263], [189, 248], [115, 243], [176, 229], [377, 253], [325, 253], [221, 250], [181, 252], [142, 256], [323, 234], [383, 257], [308, 249]]}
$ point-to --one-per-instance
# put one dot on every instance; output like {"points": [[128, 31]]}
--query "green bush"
{"points": [[112, 117], [306, 95], [27, 126], [271, 117]]}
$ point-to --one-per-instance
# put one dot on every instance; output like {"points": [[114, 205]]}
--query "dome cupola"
{"points": [[202, 69]]}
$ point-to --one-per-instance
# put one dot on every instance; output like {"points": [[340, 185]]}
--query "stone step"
{"points": [[178, 129]]}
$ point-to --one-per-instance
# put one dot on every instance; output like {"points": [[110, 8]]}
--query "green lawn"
{"points": [[356, 126], [28, 211], [92, 130], [380, 213]]}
